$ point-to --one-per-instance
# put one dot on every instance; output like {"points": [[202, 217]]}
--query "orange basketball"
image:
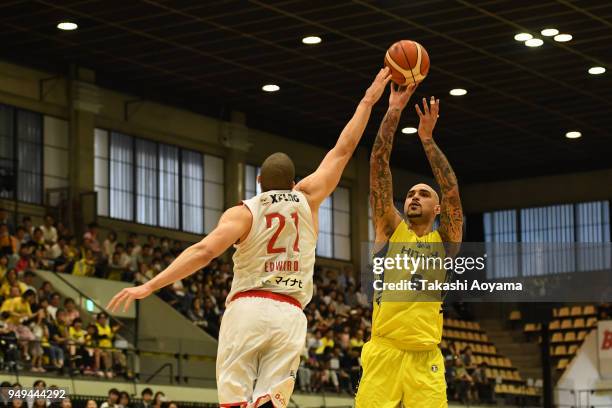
{"points": [[408, 61]]}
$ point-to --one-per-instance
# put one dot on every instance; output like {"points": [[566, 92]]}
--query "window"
{"points": [[121, 176], [157, 184], [168, 186], [193, 191], [553, 239], [146, 182], [251, 186], [334, 226], [21, 148], [500, 232]]}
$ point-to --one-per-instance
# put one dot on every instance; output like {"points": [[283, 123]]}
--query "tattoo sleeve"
{"points": [[381, 183], [451, 214]]}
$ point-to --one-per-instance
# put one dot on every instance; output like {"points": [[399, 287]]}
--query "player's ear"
{"points": [[437, 209], [293, 184]]}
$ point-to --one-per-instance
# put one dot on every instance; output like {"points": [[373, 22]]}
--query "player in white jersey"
{"points": [[263, 329]]}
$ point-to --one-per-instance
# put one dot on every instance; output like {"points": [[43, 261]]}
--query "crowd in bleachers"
{"points": [[115, 398], [47, 332], [39, 330]]}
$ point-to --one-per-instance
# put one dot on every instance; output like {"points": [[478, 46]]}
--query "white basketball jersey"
{"points": [[278, 255]]}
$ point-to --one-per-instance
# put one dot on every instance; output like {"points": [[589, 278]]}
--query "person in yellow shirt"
{"points": [[85, 266], [77, 337], [10, 281], [326, 341], [18, 305], [105, 336], [402, 363]]}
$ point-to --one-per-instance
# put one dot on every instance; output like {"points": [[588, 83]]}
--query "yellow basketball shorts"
{"points": [[392, 376]]}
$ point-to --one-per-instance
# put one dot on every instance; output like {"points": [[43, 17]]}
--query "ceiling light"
{"points": [[458, 92], [310, 40], [409, 130], [67, 26], [596, 70], [549, 32], [563, 37], [534, 42], [523, 37], [573, 134], [270, 88]]}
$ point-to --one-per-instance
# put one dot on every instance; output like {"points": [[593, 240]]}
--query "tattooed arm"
{"points": [[385, 215], [451, 214]]}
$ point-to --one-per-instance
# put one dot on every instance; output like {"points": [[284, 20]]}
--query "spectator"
{"points": [[54, 304], [8, 243], [18, 305], [109, 245], [41, 334], [92, 237], [49, 231], [133, 239], [58, 339], [124, 400], [66, 259], [4, 386], [116, 269], [105, 336], [21, 238], [26, 222], [71, 310], [463, 383], [38, 240], [77, 337], [91, 404], [6, 219], [28, 280], [85, 266], [112, 400], [484, 387], [196, 313], [4, 261], [147, 399], [159, 399], [66, 403]]}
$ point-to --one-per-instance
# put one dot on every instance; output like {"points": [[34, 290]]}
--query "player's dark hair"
{"points": [[277, 172]]}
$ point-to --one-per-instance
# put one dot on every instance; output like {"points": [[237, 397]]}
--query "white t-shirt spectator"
{"points": [[49, 234]]}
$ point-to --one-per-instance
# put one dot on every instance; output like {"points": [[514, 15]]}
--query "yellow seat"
{"points": [[560, 350], [566, 324], [582, 334], [569, 337], [579, 323], [591, 322], [515, 315], [557, 338], [484, 337], [572, 349], [562, 364], [564, 312], [555, 325], [462, 324], [589, 310], [576, 311]]}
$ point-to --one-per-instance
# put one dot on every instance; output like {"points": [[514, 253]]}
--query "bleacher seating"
{"points": [[568, 330]]}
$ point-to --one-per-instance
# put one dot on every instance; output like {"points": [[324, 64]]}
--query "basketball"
{"points": [[408, 62]]}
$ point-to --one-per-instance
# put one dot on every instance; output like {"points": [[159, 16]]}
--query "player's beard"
{"points": [[417, 213]]}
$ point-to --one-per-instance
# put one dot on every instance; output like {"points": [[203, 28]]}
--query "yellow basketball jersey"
{"points": [[410, 319]]}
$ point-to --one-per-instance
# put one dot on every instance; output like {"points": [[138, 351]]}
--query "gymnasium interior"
{"points": [[128, 127]]}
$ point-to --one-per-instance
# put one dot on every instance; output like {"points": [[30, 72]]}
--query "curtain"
{"points": [[29, 157], [146, 182], [192, 191], [168, 186], [121, 177]]}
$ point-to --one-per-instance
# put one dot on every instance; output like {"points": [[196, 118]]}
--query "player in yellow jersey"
{"points": [[402, 363]]}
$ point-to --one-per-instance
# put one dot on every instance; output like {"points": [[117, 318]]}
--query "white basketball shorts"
{"points": [[261, 338]]}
